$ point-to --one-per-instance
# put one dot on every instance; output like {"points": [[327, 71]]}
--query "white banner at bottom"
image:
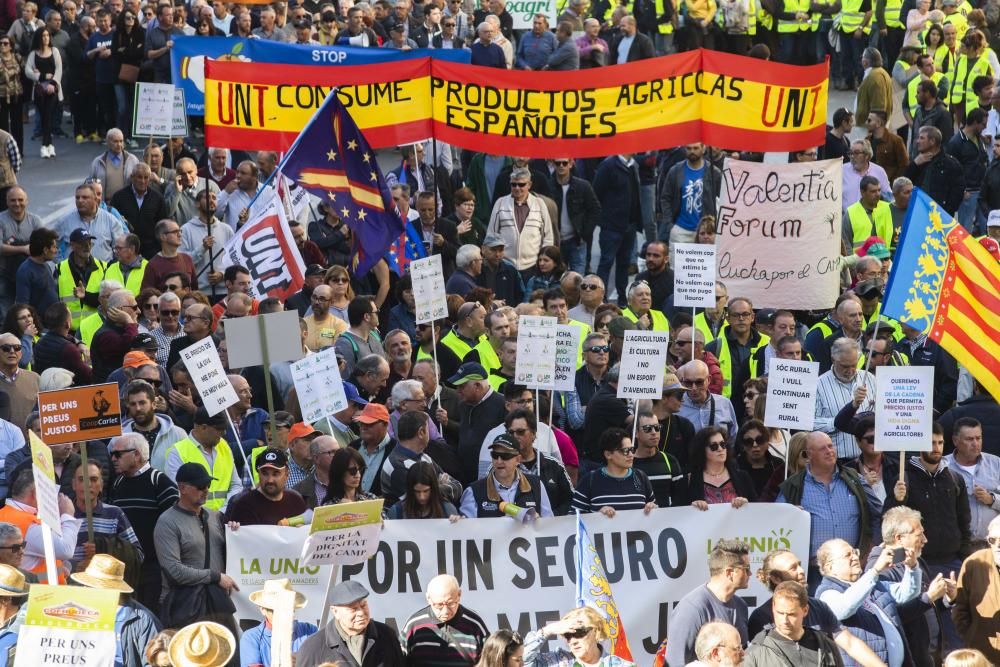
{"points": [[522, 576]]}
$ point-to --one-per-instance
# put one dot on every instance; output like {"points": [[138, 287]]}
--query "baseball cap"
{"points": [[373, 412], [878, 251], [505, 443], [144, 341], [991, 246], [193, 474], [202, 418], [397, 27], [281, 418], [467, 372], [302, 430], [494, 240], [868, 289], [272, 457], [994, 219], [80, 236], [766, 316], [351, 392], [135, 359], [314, 270]]}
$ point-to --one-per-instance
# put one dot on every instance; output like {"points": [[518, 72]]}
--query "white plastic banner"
{"points": [[904, 408], [644, 360], [522, 576], [778, 233], [791, 394]]}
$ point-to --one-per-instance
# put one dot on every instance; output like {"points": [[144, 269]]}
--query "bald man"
{"points": [[444, 632], [700, 406]]}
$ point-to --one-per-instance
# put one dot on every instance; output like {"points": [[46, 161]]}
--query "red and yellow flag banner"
{"points": [[720, 99]]}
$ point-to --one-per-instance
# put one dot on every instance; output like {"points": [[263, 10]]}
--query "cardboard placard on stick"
{"points": [[694, 275], [567, 351], [77, 414], [791, 394], [644, 360], [536, 351], [429, 294], [209, 376], [244, 340], [904, 408], [318, 385], [159, 111]]}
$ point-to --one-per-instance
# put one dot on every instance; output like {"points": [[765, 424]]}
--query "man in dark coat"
{"points": [[143, 207], [935, 172]]}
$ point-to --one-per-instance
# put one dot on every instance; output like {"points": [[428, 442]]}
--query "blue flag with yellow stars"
{"points": [[333, 161]]}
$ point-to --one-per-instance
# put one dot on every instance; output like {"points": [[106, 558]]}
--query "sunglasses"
{"points": [[354, 470], [561, 163], [503, 456], [118, 453], [588, 288], [716, 446], [173, 288], [576, 634], [16, 548], [155, 383], [338, 281], [449, 25], [760, 441], [597, 349], [10, 348], [518, 185], [650, 428], [151, 306], [693, 383], [169, 313], [626, 451]]}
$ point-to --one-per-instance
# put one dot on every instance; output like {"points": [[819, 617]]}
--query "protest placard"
{"points": [[343, 534], [521, 576], [694, 275], [245, 344], [644, 360], [209, 377], [778, 233], [791, 394], [904, 408], [567, 354], [536, 351], [46, 489], [429, 294], [318, 385], [523, 12], [68, 625], [159, 111], [76, 414]]}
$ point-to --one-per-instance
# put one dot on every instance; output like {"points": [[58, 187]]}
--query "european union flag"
{"points": [[332, 160], [408, 247]]}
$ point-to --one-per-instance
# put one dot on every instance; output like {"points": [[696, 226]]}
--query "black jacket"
{"points": [[334, 243], [477, 421], [616, 186], [142, 221], [741, 481], [942, 501], [582, 206], [986, 411], [604, 411], [945, 369], [769, 649], [556, 482], [449, 247], [505, 281], [641, 49], [381, 648], [971, 156], [942, 179], [989, 192]]}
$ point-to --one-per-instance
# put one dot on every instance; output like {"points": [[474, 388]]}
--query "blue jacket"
{"points": [[255, 644], [617, 188], [134, 627]]}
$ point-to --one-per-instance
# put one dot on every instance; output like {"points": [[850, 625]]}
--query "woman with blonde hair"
{"points": [[966, 657], [583, 629], [339, 281], [797, 459]]}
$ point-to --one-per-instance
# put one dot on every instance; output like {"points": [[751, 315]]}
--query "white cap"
{"points": [[994, 219]]}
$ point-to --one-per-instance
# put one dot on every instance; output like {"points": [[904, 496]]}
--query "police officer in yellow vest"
{"points": [[130, 267], [79, 276], [468, 331], [736, 344], [206, 447], [795, 39], [487, 351], [869, 216], [640, 308], [926, 71]]}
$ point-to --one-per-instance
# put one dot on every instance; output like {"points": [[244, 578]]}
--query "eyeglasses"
{"points": [[561, 163], [992, 541], [626, 451], [118, 453], [338, 281], [597, 349], [588, 288], [523, 401], [650, 428], [173, 288], [10, 348], [354, 470], [693, 383], [518, 432], [151, 306], [169, 313], [503, 456], [716, 446], [740, 316], [449, 25], [518, 185], [867, 438], [760, 441], [682, 342], [576, 634], [15, 548], [155, 383]]}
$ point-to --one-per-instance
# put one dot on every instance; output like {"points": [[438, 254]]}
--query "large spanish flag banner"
{"points": [[945, 284], [720, 99]]}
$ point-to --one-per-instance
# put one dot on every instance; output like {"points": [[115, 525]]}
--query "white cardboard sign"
{"points": [[428, 289], [567, 352], [536, 351], [209, 377], [284, 339], [904, 407], [318, 385], [791, 394], [159, 111], [694, 275], [644, 359]]}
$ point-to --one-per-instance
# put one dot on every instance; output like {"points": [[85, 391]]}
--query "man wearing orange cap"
{"points": [[375, 445], [300, 463]]}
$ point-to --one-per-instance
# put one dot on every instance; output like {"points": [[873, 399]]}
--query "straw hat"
{"points": [[203, 644], [267, 596], [105, 572], [12, 582]]}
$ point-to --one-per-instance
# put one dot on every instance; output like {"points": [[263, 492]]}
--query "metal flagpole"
{"points": [[694, 329]]}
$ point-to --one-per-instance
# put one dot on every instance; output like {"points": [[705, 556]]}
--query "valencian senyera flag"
{"points": [[332, 160], [946, 285], [593, 590]]}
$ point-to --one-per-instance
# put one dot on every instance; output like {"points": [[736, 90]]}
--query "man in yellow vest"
{"points": [[206, 446], [468, 331], [853, 24], [869, 216], [712, 320], [78, 277], [891, 28], [926, 72], [487, 351], [795, 39], [91, 323], [130, 266], [640, 309], [735, 347]]}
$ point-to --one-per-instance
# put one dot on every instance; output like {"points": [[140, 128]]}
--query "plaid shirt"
{"points": [[14, 155], [296, 473]]}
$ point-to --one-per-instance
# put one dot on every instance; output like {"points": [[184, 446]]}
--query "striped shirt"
{"points": [[599, 488], [457, 641], [108, 520], [144, 497], [831, 396]]}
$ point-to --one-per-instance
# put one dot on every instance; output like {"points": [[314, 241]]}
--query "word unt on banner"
{"points": [[725, 100]]}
